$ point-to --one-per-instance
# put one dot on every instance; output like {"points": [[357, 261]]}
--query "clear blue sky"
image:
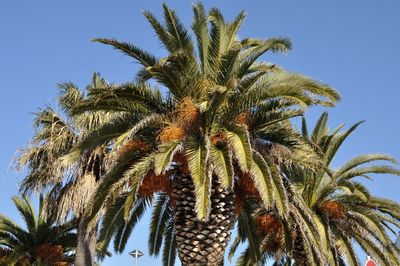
{"points": [[351, 45]]}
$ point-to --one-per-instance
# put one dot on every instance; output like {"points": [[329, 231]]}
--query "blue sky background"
{"points": [[351, 45]]}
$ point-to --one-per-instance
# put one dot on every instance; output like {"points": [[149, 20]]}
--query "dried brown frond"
{"points": [[23, 261], [73, 197], [133, 145], [333, 209], [171, 133], [153, 183]]}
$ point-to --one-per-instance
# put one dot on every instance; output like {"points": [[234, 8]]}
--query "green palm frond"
{"points": [[169, 246], [163, 157], [261, 47], [234, 245], [179, 36], [70, 95], [362, 159], [197, 154], [238, 139], [143, 57], [221, 159], [161, 32], [320, 128], [360, 171], [200, 30], [27, 212], [161, 216], [246, 232], [337, 142], [263, 180], [124, 231]]}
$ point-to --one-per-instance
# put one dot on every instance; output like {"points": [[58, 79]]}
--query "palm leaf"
{"points": [[222, 162], [131, 50], [163, 157], [169, 248], [262, 177], [238, 139], [200, 29], [159, 221], [197, 153], [177, 31]]}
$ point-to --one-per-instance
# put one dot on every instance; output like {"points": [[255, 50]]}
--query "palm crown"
{"points": [[40, 241], [220, 115], [221, 109], [343, 209]]}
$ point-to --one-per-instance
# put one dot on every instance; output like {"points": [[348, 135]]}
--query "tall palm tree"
{"points": [[70, 183], [345, 211], [221, 113], [41, 241]]}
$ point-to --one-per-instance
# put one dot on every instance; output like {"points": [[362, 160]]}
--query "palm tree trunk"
{"points": [[299, 254], [202, 243], [86, 246]]}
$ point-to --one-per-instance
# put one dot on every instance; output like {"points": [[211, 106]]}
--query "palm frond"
{"points": [[124, 231], [238, 139], [143, 57], [222, 162], [159, 221], [163, 157], [262, 177], [169, 246], [180, 37], [197, 154], [200, 30]]}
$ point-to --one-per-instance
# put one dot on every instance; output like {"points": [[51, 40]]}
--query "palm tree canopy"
{"points": [[346, 208], [40, 239], [219, 110], [69, 182], [345, 211]]}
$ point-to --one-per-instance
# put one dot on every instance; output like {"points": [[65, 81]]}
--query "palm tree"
{"points": [[70, 182], [41, 241], [214, 126], [343, 208]]}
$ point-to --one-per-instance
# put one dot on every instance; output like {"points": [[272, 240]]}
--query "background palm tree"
{"points": [[41, 241], [343, 208], [222, 115], [71, 183]]}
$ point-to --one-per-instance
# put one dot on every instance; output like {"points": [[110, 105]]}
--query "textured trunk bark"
{"points": [[299, 255], [202, 243], [86, 246]]}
